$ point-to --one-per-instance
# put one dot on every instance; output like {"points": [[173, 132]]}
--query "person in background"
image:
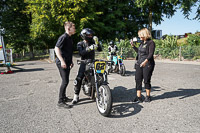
{"points": [[145, 64], [64, 51], [86, 50], [112, 49]]}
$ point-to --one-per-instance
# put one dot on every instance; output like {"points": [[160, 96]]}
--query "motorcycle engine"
{"points": [[87, 89]]}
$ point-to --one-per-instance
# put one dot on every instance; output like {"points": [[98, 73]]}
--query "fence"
{"points": [[177, 53]]}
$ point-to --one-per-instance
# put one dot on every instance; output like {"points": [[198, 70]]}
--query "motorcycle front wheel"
{"points": [[109, 68], [104, 102]]}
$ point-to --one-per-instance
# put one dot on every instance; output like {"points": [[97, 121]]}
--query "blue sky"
{"points": [[178, 25]]}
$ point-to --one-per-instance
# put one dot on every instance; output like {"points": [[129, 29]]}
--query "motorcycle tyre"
{"points": [[108, 109], [123, 70], [93, 94], [109, 71]]}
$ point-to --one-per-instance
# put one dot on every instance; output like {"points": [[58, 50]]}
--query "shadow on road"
{"points": [[125, 110], [127, 73], [154, 88], [130, 73], [124, 97], [26, 70], [85, 101], [182, 93], [122, 94]]}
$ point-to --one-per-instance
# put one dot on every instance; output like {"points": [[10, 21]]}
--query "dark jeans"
{"points": [[64, 73], [143, 73]]}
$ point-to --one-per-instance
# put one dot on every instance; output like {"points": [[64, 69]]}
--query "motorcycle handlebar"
{"points": [[88, 61]]}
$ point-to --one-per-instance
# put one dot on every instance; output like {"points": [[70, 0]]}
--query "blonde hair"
{"points": [[144, 33]]}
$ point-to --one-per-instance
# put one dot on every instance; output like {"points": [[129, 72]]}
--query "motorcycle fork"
{"points": [[119, 64], [96, 84]]}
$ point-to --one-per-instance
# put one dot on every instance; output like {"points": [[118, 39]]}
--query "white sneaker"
{"points": [[76, 98]]}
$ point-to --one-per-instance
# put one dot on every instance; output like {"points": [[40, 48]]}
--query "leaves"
{"points": [[40, 22]]}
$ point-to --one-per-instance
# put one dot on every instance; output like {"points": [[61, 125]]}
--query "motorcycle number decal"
{"points": [[100, 66], [119, 57]]}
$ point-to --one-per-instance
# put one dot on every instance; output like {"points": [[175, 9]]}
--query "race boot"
{"points": [[76, 98], [77, 87]]}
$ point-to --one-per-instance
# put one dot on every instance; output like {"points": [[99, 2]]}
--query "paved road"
{"points": [[28, 101]]}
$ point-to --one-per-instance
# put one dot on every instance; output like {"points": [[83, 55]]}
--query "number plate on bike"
{"points": [[100, 66], [119, 57]]}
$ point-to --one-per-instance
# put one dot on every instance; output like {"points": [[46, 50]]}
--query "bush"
{"points": [[182, 41], [167, 47], [158, 43], [169, 42], [124, 48], [190, 52], [193, 40]]}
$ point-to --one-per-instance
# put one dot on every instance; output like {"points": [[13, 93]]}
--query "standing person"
{"points": [[144, 65], [86, 50], [64, 51], [112, 49]]}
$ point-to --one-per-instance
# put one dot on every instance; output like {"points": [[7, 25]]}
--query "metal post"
{"points": [[52, 55], [180, 53], [11, 57]]}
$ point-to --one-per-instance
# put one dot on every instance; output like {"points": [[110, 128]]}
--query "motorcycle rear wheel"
{"points": [[123, 70], [104, 103]]}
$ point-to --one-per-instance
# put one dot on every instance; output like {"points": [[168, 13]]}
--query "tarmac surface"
{"points": [[29, 96]]}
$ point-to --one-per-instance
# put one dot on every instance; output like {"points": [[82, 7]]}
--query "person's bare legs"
{"points": [[139, 93], [148, 92], [138, 98], [148, 98]]}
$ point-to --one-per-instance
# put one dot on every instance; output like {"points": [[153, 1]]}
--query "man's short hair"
{"points": [[68, 24]]}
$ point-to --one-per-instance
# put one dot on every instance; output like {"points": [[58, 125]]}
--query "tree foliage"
{"points": [[157, 9], [120, 19], [16, 23], [48, 17], [39, 23]]}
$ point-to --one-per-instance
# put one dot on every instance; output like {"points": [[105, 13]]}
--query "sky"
{"points": [[178, 25]]}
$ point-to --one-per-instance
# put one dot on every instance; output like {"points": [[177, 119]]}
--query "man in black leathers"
{"points": [[86, 50]]}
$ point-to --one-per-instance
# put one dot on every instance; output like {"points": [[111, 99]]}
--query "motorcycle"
{"points": [[116, 65], [95, 85]]}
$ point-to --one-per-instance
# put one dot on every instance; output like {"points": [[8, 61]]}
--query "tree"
{"points": [[156, 9], [118, 19], [16, 23], [48, 17], [186, 7]]}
